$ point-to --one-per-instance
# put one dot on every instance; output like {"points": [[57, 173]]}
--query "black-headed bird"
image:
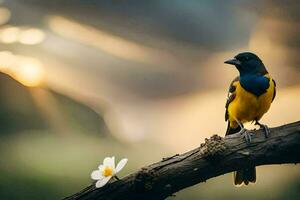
{"points": [[249, 98]]}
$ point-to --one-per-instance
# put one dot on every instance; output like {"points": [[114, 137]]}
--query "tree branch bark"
{"points": [[217, 156]]}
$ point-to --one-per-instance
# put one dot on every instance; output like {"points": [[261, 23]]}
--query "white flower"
{"points": [[107, 170]]}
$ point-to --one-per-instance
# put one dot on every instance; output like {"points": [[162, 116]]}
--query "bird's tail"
{"points": [[245, 176], [231, 129]]}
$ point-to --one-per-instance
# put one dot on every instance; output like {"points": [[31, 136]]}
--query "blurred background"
{"points": [[85, 79]]}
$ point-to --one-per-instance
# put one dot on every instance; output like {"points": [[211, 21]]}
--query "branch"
{"points": [[217, 156]]}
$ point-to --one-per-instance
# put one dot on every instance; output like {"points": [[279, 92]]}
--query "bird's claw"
{"points": [[266, 130], [247, 135]]}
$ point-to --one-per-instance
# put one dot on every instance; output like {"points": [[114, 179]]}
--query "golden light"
{"points": [[4, 15], [268, 36], [7, 60], [29, 72], [31, 36], [109, 43], [9, 34], [28, 36]]}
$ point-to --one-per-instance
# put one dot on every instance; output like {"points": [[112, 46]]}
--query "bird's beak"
{"points": [[233, 62]]}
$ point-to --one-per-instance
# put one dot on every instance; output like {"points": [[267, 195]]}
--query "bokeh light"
{"points": [[9, 34], [27, 36], [7, 59], [31, 36]]}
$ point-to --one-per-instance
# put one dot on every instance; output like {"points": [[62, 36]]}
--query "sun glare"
{"points": [[107, 42], [29, 73]]}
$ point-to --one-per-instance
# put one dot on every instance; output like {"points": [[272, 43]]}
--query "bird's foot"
{"points": [[246, 134], [266, 129]]}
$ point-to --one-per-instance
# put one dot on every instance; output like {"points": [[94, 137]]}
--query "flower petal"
{"points": [[113, 160], [121, 164], [108, 162], [96, 175], [101, 167], [102, 182]]}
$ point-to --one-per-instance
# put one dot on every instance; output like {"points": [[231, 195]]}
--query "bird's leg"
{"points": [[245, 133], [265, 127]]}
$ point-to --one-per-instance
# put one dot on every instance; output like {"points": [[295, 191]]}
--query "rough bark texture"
{"points": [[215, 157]]}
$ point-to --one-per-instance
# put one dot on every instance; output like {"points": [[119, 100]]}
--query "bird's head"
{"points": [[248, 63]]}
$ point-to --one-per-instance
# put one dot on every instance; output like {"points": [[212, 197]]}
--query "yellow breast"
{"points": [[247, 107]]}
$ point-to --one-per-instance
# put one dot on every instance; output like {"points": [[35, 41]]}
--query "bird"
{"points": [[249, 97]]}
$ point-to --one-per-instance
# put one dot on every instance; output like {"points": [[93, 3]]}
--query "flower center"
{"points": [[107, 171]]}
